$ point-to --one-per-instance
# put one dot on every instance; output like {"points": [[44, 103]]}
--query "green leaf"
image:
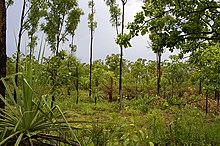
{"points": [[19, 139]]}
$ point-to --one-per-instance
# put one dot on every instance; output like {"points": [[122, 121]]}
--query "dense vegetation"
{"points": [[165, 102]]}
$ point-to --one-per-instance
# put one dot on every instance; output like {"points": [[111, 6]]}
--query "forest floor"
{"points": [[147, 120]]}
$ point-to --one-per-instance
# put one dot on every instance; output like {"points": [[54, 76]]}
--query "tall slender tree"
{"points": [[19, 44], [92, 26], [29, 20], [121, 51], [116, 13], [3, 56], [71, 25], [61, 20]]}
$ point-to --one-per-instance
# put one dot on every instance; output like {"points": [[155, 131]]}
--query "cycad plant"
{"points": [[31, 120]]}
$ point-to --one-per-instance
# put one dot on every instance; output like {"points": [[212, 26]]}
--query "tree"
{"points": [[19, 44], [92, 26], [55, 68], [209, 59], [74, 73], [29, 21], [139, 72], [175, 76], [31, 24], [71, 25], [3, 56], [115, 16], [61, 20], [112, 62], [98, 78], [188, 23], [175, 24], [9, 3], [59, 13]]}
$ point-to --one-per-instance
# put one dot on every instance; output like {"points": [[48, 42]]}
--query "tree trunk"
{"points": [[121, 54], [158, 72], [172, 91], [200, 86], [92, 27], [111, 90], [90, 65], [19, 46], [136, 88], [3, 56], [68, 90], [77, 84], [218, 99], [206, 103], [215, 94]]}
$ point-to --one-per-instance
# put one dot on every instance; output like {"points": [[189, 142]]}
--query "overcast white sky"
{"points": [[104, 37]]}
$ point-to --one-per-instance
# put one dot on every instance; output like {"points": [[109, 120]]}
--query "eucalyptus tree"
{"points": [[60, 20], [92, 26], [31, 13], [55, 69], [22, 19], [74, 68], [116, 13], [31, 24], [58, 15], [3, 56]]}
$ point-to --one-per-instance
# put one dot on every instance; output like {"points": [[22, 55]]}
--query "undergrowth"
{"points": [[142, 122]]}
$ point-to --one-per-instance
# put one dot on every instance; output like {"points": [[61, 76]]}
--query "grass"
{"points": [[147, 121]]}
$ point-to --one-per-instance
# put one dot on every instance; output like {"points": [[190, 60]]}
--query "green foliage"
{"points": [[91, 20], [59, 14], [159, 124], [175, 74], [25, 121], [36, 12], [188, 128], [9, 3], [177, 24], [73, 20], [207, 60], [191, 26], [115, 12], [123, 40]]}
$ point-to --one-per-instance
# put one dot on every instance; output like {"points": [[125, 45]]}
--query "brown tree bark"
{"points": [[3, 56]]}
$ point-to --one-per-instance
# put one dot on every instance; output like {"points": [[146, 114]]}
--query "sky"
{"points": [[104, 36]]}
